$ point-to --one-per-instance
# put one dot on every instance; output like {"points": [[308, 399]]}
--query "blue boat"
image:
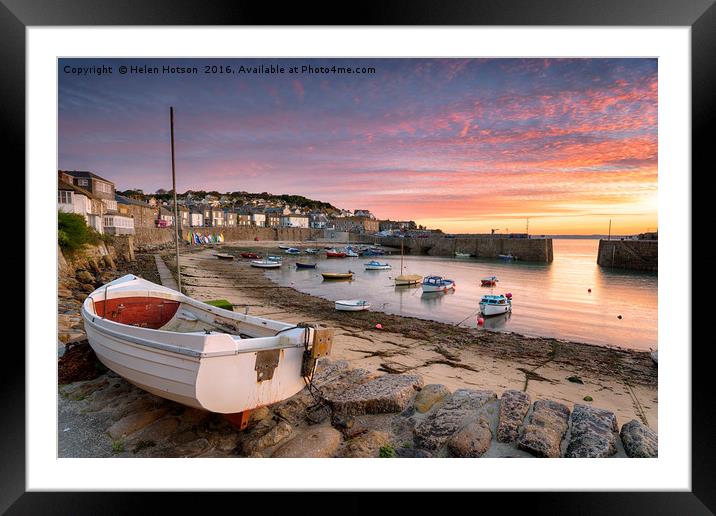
{"points": [[300, 265], [437, 284]]}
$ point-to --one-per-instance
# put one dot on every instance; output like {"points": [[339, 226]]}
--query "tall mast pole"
{"points": [[176, 207], [609, 237]]}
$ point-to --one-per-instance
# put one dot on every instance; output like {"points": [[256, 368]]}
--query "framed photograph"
{"points": [[291, 258]]}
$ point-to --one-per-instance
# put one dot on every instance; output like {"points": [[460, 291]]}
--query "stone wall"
{"points": [[640, 255], [525, 249]]}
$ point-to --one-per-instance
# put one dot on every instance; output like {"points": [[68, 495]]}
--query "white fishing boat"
{"points": [[462, 255], [374, 265], [292, 250], [495, 305], [351, 253], [311, 250], [352, 305], [197, 354], [284, 247], [489, 281], [265, 264], [437, 284]]}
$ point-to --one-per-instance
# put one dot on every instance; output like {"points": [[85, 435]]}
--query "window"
{"points": [[82, 182], [64, 197]]}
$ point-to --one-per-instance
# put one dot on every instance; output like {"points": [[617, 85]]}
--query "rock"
{"points": [[639, 440], [340, 421], [259, 414], [317, 414], [461, 408], [594, 433], [191, 449], [184, 437], [429, 396], [87, 287], [543, 433], [473, 440], [385, 394], [294, 408], [133, 422], [365, 445], [84, 276], [318, 442], [328, 370], [513, 409], [109, 262], [79, 390], [263, 440], [159, 430], [226, 442], [412, 453]]}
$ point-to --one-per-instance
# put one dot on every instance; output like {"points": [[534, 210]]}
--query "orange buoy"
{"points": [[480, 321]]}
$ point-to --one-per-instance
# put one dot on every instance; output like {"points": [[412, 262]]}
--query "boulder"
{"points": [[159, 430], [513, 409], [639, 440], [543, 433], [594, 433], [84, 276], [366, 445], [266, 439], [460, 409], [385, 394], [313, 443], [429, 396], [473, 440]]}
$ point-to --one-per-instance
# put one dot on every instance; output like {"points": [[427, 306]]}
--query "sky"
{"points": [[465, 145]]}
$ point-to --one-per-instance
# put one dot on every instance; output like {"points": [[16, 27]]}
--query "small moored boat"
{"points": [[407, 279], [495, 305], [335, 254], [437, 284], [274, 258], [311, 250], [462, 255], [337, 275], [352, 305], [351, 253], [507, 257], [300, 265], [292, 250], [197, 354], [374, 265], [490, 281], [284, 247], [265, 264], [224, 256], [252, 256]]}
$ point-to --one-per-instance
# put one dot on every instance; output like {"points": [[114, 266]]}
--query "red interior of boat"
{"points": [[147, 312]]}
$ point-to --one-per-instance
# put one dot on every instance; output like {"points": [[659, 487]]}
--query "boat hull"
{"points": [[409, 279], [438, 288], [378, 267], [212, 371], [266, 265], [330, 276], [351, 306], [488, 310]]}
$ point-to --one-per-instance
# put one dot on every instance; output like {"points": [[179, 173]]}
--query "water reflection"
{"points": [[551, 300]]}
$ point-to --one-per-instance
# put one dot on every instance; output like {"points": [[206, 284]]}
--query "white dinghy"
{"points": [[197, 354], [352, 305], [265, 264]]}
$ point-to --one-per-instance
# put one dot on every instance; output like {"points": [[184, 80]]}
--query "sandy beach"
{"points": [[620, 380]]}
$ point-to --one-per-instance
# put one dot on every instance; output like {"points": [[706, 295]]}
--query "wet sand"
{"points": [[620, 380]]}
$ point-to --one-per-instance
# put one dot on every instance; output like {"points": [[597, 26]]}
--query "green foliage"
{"points": [[575, 379], [387, 451], [73, 232], [117, 446], [221, 303], [588, 398]]}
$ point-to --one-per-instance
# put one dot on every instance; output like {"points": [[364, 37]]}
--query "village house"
{"points": [[363, 213], [403, 225], [318, 220], [357, 224], [74, 199], [273, 217], [143, 215], [213, 216], [99, 187], [294, 221], [166, 217], [196, 217], [258, 218], [230, 218]]}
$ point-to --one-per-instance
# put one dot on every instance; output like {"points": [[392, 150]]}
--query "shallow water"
{"points": [[549, 300]]}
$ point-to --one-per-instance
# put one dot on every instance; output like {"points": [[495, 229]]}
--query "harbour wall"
{"points": [[155, 237], [642, 255], [524, 249]]}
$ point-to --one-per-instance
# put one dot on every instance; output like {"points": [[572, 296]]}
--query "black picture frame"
{"points": [[699, 15]]}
